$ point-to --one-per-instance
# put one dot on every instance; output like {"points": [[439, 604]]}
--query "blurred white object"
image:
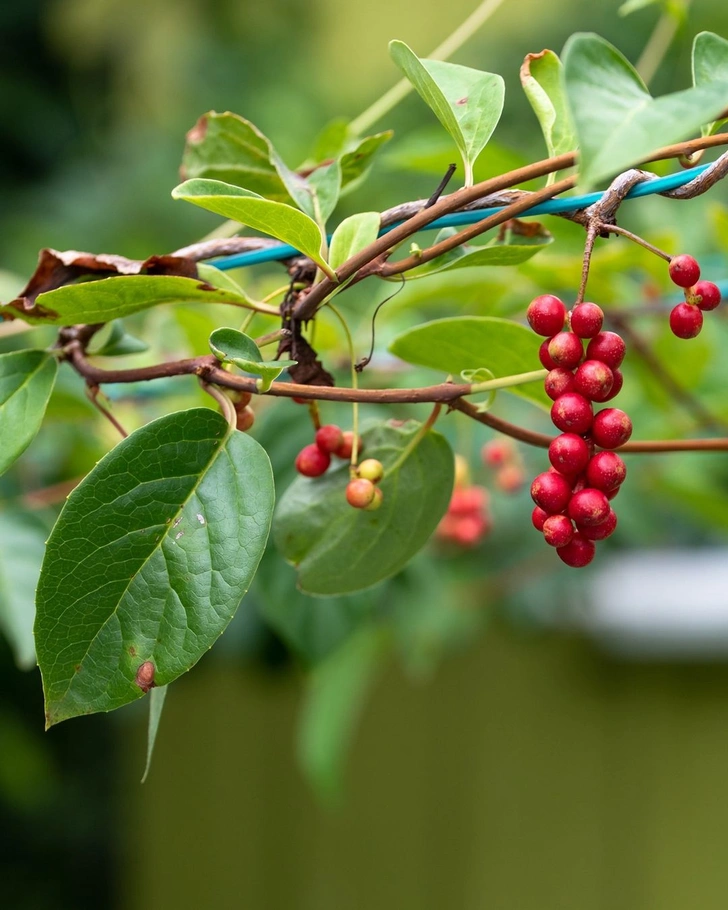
{"points": [[660, 603]]}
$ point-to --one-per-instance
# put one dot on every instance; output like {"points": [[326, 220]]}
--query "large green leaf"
{"points": [[233, 346], [274, 218], [337, 549], [352, 235], [112, 298], [512, 250], [467, 102], [228, 147], [617, 121], [543, 82], [22, 544], [469, 342], [149, 560], [710, 64], [26, 383]]}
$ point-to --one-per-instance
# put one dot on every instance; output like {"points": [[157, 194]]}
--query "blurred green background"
{"points": [[466, 735]]}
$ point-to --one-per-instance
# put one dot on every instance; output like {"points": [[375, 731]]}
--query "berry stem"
{"points": [[505, 381], [354, 385], [92, 391], [635, 238], [416, 440]]}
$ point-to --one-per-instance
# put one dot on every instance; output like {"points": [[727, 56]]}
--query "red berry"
{"points": [[611, 428], [607, 347], [686, 320], [617, 383], [497, 452], [329, 438], [558, 382], [594, 380], [606, 471], [546, 315], [510, 478], [569, 453], [359, 493], [589, 507], [311, 461], [684, 270], [578, 553], [371, 469], [470, 530], [347, 443], [601, 531], [245, 418], [566, 350], [551, 491], [467, 500], [707, 295], [586, 320], [538, 517], [572, 413], [543, 355], [557, 530]]}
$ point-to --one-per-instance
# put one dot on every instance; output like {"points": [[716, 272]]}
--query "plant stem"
{"points": [[635, 238], [92, 391], [416, 440], [452, 43], [354, 385], [506, 381], [226, 406], [658, 44]]}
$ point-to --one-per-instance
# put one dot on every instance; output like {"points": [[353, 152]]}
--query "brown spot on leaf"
{"points": [[462, 100], [525, 71], [145, 676], [132, 651]]}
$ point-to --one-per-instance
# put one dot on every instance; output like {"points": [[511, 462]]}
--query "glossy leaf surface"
{"points": [[337, 549], [460, 343], [149, 560]]}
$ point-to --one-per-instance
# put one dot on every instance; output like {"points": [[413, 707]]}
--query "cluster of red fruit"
{"points": [[313, 460], [686, 319], [572, 498], [503, 457], [467, 520]]}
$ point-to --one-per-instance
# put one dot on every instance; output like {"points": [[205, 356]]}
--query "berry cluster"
{"points": [[361, 491], [313, 460], [686, 319], [572, 498], [467, 520], [502, 456]]}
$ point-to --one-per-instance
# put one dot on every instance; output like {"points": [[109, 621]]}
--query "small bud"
{"points": [[145, 676]]}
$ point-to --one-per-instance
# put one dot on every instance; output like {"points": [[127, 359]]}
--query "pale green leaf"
{"points": [[22, 544], [617, 121], [233, 346], [353, 234], [114, 341], [543, 83], [281, 221], [710, 64], [149, 560], [26, 383]]}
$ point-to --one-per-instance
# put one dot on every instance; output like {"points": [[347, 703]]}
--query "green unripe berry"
{"points": [[371, 469]]}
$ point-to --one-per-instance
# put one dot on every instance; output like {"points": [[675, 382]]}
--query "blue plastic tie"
{"points": [[457, 219]]}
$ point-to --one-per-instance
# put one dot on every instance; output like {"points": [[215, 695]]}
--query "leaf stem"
{"points": [[416, 440], [505, 382], [226, 406]]}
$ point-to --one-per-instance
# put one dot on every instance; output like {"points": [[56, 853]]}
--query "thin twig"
{"points": [[92, 392]]}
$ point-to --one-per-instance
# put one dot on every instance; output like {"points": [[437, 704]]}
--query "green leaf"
{"points": [[149, 560], [26, 383], [112, 298], [235, 347], [469, 342], [156, 704], [115, 341], [710, 64], [617, 121], [335, 695], [229, 148], [631, 6], [274, 218], [352, 235], [357, 160], [467, 102], [219, 279], [543, 82], [337, 549], [22, 544], [317, 194], [514, 249]]}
